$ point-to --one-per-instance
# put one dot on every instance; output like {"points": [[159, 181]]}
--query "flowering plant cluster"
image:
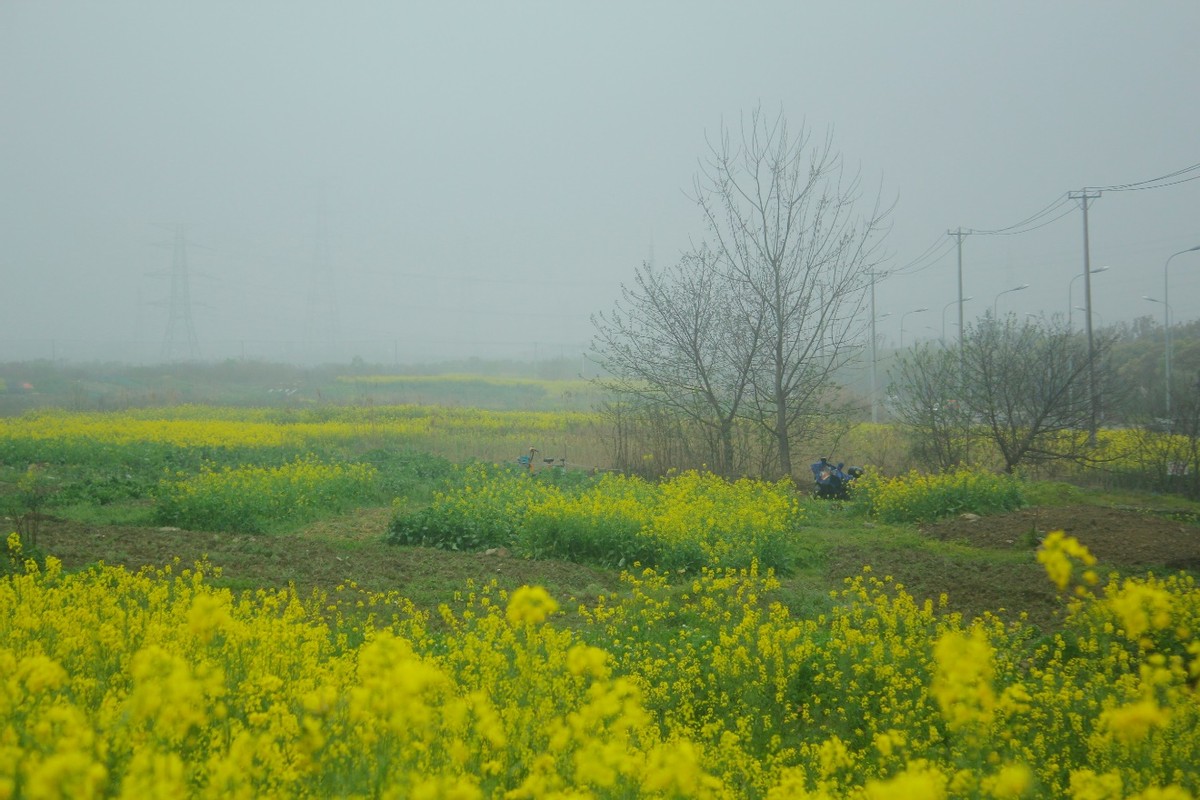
{"points": [[683, 522], [156, 684], [251, 469], [188, 434], [923, 497], [253, 499]]}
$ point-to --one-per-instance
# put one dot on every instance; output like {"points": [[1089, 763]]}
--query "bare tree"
{"points": [[1182, 464], [680, 340], [1168, 447], [1028, 384], [796, 257], [928, 401]]}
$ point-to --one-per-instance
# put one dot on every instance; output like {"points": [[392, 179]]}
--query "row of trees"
{"points": [[730, 357], [1032, 390], [1035, 393]]}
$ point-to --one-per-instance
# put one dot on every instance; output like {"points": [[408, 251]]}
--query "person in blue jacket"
{"points": [[833, 482]]}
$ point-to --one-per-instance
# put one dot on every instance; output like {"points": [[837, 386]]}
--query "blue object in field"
{"points": [[833, 482], [526, 461]]}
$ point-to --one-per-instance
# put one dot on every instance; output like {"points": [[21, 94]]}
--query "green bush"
{"points": [[254, 499], [682, 523], [924, 497]]}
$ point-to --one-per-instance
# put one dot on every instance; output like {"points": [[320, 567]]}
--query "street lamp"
{"points": [[1167, 327], [902, 316], [1006, 291], [944, 310], [874, 359], [1167, 315], [1071, 287], [1094, 313]]}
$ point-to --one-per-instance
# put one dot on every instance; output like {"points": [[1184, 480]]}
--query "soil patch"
{"points": [[350, 549], [1117, 537], [346, 550], [1010, 581]]}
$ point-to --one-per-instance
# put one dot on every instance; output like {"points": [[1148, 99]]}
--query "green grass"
{"points": [[129, 513], [107, 515], [1058, 493]]}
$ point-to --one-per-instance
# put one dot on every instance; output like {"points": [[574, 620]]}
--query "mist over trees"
{"points": [[1026, 388], [735, 355], [740, 341], [674, 345]]}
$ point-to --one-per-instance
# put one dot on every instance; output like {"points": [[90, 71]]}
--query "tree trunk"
{"points": [[783, 437], [727, 457]]}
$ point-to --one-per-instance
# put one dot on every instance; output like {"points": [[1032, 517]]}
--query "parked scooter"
{"points": [[834, 482], [528, 462]]}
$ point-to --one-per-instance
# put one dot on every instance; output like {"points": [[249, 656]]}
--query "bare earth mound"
{"points": [[347, 550], [1118, 537], [350, 549], [1131, 542]]}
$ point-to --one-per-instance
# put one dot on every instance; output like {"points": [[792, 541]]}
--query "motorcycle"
{"points": [[834, 482]]}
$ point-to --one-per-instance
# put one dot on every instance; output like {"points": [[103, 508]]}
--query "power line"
{"points": [[1025, 230], [1032, 218], [1063, 204], [321, 315], [932, 255], [1027, 225], [1153, 183]]}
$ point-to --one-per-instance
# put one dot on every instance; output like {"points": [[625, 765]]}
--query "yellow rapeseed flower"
{"points": [[530, 605], [920, 780], [1011, 782], [1133, 722], [962, 681], [1141, 607], [1058, 553], [1086, 784], [1162, 793]]}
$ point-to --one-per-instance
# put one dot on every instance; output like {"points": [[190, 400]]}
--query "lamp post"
{"points": [[1167, 321], [1070, 289], [874, 359], [902, 316], [1006, 291], [1167, 315], [944, 310], [1094, 313]]}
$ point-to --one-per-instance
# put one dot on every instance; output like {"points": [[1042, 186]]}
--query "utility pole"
{"points": [[321, 321], [180, 339], [874, 396], [959, 234], [1083, 196]]}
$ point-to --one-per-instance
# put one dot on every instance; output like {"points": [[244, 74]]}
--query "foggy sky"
{"points": [[404, 181]]}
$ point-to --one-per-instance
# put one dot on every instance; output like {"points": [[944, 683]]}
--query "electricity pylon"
{"points": [[180, 342], [321, 317]]}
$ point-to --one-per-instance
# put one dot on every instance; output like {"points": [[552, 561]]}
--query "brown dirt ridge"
{"points": [[351, 549], [1116, 536], [347, 551]]}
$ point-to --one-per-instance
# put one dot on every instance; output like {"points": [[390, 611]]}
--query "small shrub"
{"points": [[255, 499], [683, 523], [924, 497]]}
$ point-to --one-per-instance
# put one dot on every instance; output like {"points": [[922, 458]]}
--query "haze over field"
{"points": [[402, 182]]}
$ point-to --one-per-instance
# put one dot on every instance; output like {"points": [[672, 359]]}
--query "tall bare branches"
{"points": [[678, 340], [751, 326], [1022, 386], [787, 232]]}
